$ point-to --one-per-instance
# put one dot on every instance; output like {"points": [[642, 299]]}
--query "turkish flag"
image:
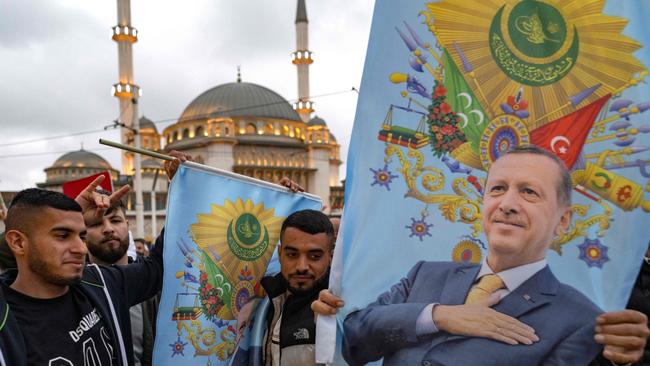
{"points": [[565, 136], [74, 187]]}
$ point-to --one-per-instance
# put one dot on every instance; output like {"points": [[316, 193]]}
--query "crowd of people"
{"points": [[71, 295]]}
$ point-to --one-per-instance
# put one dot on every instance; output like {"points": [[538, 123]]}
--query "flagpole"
{"points": [[192, 164]]}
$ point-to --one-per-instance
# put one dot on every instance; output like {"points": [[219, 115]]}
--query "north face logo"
{"points": [[301, 333]]}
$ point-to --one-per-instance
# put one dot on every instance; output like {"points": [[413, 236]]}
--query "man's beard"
{"points": [[308, 291], [109, 255], [39, 266]]}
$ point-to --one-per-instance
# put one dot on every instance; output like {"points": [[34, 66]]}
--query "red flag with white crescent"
{"points": [[565, 136], [74, 187]]}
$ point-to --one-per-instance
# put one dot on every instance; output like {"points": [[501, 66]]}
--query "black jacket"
{"points": [[112, 290], [297, 327]]}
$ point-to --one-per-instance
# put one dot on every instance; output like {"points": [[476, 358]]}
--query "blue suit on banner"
{"points": [[563, 318]]}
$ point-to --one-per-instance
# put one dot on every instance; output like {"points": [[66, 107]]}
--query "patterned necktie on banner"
{"points": [[485, 287]]}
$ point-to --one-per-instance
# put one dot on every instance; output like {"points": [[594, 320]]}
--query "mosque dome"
{"points": [[75, 165], [316, 121], [146, 123], [239, 99], [81, 159]]}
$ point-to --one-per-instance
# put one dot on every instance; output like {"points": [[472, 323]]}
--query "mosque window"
{"points": [[285, 129], [251, 129], [199, 132], [227, 131], [298, 132], [179, 136], [186, 133], [268, 129]]}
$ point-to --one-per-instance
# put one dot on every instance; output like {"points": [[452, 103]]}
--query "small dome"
{"points": [[239, 99], [81, 159], [147, 123], [316, 121]]}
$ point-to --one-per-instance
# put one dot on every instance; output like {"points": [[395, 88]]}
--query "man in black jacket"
{"points": [[108, 242], [305, 253], [56, 310]]}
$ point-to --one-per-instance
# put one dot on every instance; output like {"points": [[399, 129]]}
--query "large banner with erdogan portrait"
{"points": [[449, 86], [220, 234]]}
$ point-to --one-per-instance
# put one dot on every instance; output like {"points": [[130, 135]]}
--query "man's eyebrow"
{"points": [[62, 229], [290, 248], [316, 251]]}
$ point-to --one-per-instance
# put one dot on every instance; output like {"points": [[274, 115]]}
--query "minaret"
{"points": [[302, 59], [125, 89], [128, 93]]}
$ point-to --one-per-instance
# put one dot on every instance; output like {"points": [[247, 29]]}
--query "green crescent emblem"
{"points": [[532, 43], [247, 237]]}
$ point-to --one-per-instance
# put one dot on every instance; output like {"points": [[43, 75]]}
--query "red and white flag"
{"points": [[565, 136], [74, 187]]}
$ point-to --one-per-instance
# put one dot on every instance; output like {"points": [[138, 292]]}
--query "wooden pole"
{"points": [[226, 173], [136, 150]]}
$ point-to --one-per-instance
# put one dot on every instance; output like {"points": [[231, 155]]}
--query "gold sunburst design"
{"points": [[466, 251], [237, 234], [555, 49]]}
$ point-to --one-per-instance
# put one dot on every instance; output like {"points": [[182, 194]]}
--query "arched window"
{"points": [[285, 130], [251, 129], [186, 133], [226, 131], [268, 129], [199, 132]]}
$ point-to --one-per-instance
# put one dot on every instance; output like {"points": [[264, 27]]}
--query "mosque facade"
{"points": [[239, 126]]}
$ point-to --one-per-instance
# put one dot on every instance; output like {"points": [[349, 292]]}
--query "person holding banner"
{"points": [[108, 241], [305, 254], [509, 310], [82, 311]]}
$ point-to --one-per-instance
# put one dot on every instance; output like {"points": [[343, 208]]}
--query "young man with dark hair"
{"points": [[59, 311], [305, 253], [108, 243]]}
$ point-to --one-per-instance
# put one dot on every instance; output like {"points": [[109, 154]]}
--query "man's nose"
{"points": [[509, 202], [79, 247], [303, 264], [107, 227]]}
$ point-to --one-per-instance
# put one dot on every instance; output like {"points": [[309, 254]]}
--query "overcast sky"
{"points": [[58, 63]]}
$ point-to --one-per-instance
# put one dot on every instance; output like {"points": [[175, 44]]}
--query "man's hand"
{"points": [[293, 186], [327, 303], [624, 334], [479, 320], [94, 205], [171, 166]]}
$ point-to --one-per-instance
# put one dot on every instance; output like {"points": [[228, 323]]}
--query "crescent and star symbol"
{"points": [[464, 117], [563, 147]]}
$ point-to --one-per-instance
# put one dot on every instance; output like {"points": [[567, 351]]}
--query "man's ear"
{"points": [[279, 250], [17, 242], [565, 222]]}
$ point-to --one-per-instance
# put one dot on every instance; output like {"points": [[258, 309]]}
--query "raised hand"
{"points": [[94, 204], [327, 303], [293, 186], [624, 334], [480, 320], [171, 166]]}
